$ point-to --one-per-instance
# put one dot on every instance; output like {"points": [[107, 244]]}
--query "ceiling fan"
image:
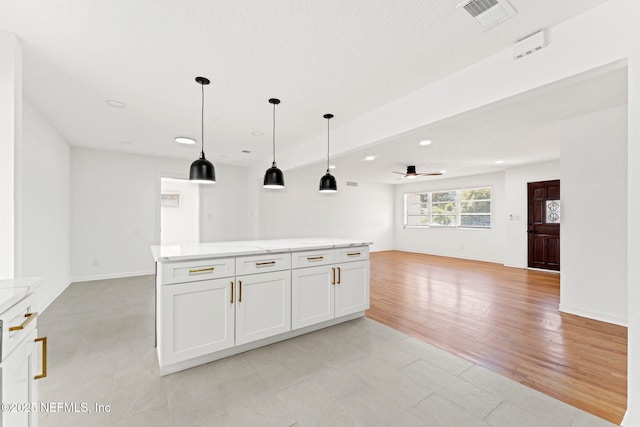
{"points": [[411, 173]]}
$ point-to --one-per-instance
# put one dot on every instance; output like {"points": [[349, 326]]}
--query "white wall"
{"points": [[10, 134], [115, 210], [180, 224], [593, 234], [516, 179], [299, 210], [44, 211], [478, 244]]}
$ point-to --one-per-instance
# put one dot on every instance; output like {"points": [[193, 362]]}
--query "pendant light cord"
{"points": [[274, 135], [328, 144], [202, 120]]}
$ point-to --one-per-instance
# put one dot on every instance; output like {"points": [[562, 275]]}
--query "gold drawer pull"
{"points": [[258, 264], [354, 254], [231, 301], [315, 258], [339, 275], [240, 291], [43, 340], [29, 316], [202, 270], [333, 275]]}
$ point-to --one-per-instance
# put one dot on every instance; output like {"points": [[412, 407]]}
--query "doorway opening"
{"points": [[543, 225], [179, 212]]}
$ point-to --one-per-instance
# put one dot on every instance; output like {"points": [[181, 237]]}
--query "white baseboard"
{"points": [[111, 276], [602, 317], [470, 258], [631, 418]]}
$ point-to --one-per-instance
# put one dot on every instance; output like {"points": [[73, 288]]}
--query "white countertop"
{"points": [[13, 290], [248, 247]]}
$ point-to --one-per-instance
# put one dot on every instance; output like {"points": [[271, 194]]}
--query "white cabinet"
{"points": [[312, 295], [329, 291], [197, 319], [263, 306], [19, 385], [352, 287]]}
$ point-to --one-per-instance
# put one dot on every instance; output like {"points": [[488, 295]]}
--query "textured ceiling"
{"points": [[344, 57]]}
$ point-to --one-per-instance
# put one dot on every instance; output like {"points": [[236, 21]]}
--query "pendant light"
{"points": [[273, 177], [328, 182], [202, 170]]}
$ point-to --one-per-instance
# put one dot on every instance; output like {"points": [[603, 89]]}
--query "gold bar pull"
{"points": [[231, 301], [201, 270], [339, 275], [258, 264], [354, 254], [240, 291], [333, 275], [29, 316], [43, 340], [315, 258]]}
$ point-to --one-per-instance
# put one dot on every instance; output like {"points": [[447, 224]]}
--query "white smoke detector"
{"points": [[488, 12]]}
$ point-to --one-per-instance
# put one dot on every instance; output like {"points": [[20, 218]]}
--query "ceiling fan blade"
{"points": [[430, 174], [401, 173]]}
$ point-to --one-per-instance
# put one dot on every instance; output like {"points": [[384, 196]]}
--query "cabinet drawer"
{"points": [[352, 254], [194, 271], [21, 317], [311, 258], [262, 263]]}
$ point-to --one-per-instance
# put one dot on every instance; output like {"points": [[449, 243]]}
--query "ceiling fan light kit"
{"points": [[328, 182], [273, 177], [202, 170]]}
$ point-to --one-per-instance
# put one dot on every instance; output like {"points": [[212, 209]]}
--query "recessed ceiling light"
{"points": [[425, 142], [115, 104], [185, 140], [443, 171], [246, 151], [332, 166], [257, 133], [499, 162], [369, 158]]}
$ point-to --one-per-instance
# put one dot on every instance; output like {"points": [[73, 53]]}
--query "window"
{"points": [[469, 208]]}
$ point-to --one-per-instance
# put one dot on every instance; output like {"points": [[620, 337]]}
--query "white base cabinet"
{"points": [[198, 318], [263, 306], [213, 308]]}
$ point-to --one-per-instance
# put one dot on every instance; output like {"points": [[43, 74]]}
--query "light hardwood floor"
{"points": [[507, 320]]}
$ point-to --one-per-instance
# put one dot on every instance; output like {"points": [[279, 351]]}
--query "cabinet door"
{"points": [[263, 306], [18, 384], [352, 287], [197, 319], [312, 295]]}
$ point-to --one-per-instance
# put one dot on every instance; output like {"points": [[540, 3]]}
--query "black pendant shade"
{"points": [[202, 170], [328, 182], [273, 177]]}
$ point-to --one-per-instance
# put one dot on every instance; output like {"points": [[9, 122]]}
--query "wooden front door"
{"points": [[544, 224]]}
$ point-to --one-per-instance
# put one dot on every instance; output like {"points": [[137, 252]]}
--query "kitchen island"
{"points": [[214, 300]]}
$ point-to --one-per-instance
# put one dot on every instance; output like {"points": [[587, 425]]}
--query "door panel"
{"points": [[543, 227], [352, 288], [312, 295]]}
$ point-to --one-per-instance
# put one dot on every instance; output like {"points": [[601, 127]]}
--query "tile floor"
{"points": [[360, 373]]}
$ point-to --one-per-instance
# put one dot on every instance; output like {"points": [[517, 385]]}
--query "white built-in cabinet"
{"points": [[213, 308], [323, 289]]}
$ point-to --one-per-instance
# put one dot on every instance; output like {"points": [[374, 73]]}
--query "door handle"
{"points": [[339, 275], [231, 300], [43, 340], [239, 290], [333, 275]]}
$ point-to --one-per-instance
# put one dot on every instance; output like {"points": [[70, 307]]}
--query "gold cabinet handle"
{"points": [[201, 270], [339, 275], [231, 301], [29, 316], [333, 275], [315, 258], [258, 264], [240, 291], [354, 254], [43, 340]]}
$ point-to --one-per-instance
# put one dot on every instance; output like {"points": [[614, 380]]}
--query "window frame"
{"points": [[458, 208]]}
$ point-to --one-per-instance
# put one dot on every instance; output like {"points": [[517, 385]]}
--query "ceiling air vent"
{"points": [[488, 12], [352, 184]]}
